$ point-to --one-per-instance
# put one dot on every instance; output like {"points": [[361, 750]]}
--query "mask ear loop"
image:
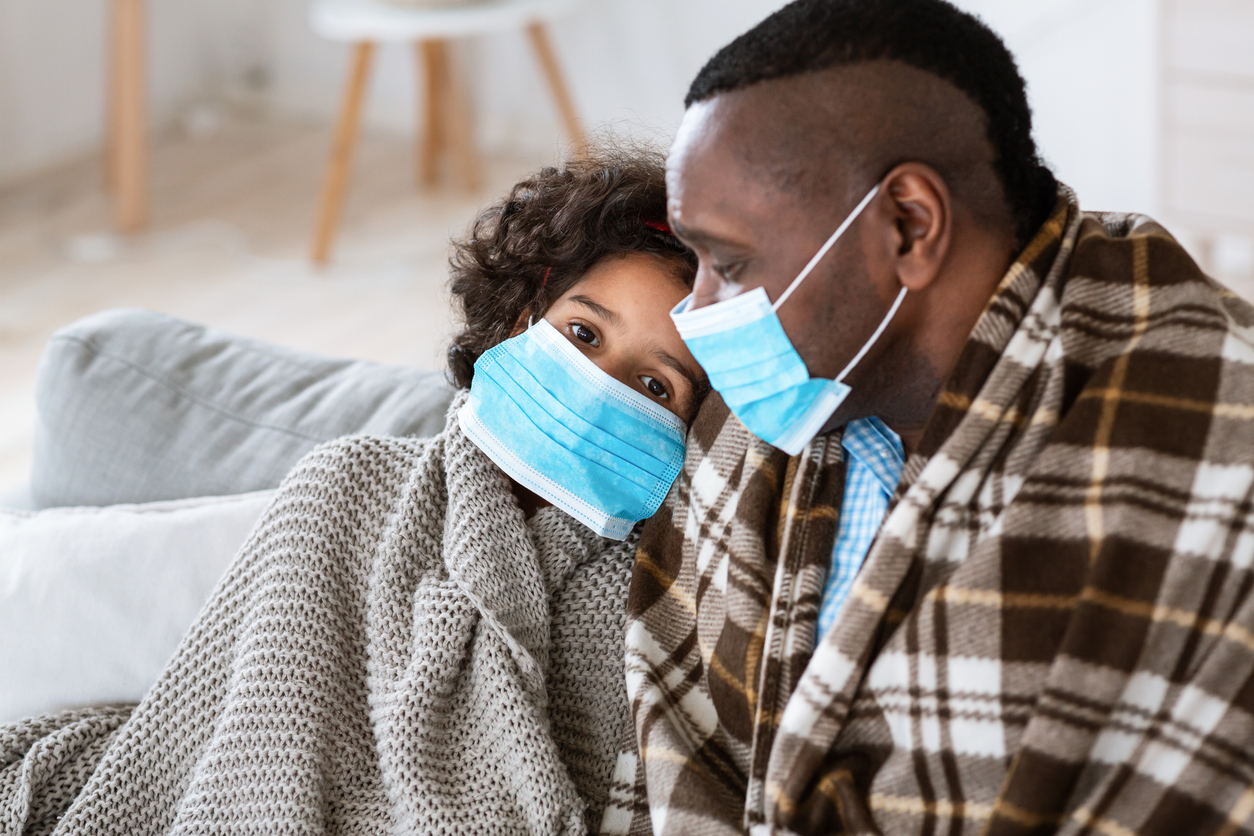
{"points": [[831, 242], [874, 337]]}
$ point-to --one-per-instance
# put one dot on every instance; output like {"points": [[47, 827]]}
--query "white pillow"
{"points": [[93, 601]]}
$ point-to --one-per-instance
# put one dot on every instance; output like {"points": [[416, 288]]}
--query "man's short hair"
{"points": [[931, 35]]}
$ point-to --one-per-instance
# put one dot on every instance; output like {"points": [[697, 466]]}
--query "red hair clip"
{"points": [[660, 226], [545, 282]]}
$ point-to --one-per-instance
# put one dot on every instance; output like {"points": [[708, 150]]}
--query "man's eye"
{"points": [[585, 335], [726, 271], [655, 387]]}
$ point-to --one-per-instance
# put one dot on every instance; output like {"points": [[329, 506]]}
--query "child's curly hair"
{"points": [[523, 253]]}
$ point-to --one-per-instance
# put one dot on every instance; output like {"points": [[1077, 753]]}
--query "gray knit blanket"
{"points": [[395, 650]]}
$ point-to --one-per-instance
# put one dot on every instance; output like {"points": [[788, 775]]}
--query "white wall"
{"points": [[630, 63], [1092, 68], [45, 113], [53, 69]]}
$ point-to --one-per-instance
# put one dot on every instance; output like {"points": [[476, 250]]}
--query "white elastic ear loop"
{"points": [[874, 337], [853, 216]]}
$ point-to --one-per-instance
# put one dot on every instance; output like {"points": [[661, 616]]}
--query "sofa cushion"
{"points": [[135, 406], [93, 601]]}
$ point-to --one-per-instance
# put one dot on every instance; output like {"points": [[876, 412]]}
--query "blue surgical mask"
{"points": [[752, 364], [558, 425]]}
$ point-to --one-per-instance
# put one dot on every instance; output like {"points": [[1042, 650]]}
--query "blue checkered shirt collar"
{"points": [[877, 448]]}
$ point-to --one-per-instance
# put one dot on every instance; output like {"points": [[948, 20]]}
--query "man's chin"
{"points": [[846, 412]]}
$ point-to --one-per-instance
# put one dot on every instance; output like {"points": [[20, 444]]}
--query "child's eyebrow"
{"points": [[672, 362], [599, 309]]}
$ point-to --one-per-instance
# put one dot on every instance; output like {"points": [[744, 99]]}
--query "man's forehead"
{"points": [[769, 132], [720, 140], [702, 133], [767, 110], [709, 187], [734, 157]]}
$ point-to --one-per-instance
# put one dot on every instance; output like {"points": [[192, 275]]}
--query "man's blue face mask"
{"points": [[558, 425], [752, 364]]}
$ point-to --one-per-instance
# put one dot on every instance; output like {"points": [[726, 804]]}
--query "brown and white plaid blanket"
{"points": [[1054, 631]]}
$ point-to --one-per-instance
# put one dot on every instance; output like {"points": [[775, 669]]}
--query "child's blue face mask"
{"points": [[752, 364], [551, 419]]}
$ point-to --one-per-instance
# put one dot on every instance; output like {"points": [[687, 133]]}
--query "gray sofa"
{"points": [[135, 406]]}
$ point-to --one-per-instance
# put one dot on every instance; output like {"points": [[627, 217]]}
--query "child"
{"points": [[426, 635]]}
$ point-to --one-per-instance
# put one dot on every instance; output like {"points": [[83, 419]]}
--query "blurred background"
{"points": [[1141, 105]]}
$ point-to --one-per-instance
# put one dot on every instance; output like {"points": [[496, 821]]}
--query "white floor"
{"points": [[232, 218]]}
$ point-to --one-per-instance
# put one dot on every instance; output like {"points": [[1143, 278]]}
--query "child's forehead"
{"points": [[632, 278]]}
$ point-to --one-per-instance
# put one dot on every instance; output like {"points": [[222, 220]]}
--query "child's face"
{"points": [[618, 315]]}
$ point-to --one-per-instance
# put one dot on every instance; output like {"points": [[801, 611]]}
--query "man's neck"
{"points": [[902, 386], [955, 302]]}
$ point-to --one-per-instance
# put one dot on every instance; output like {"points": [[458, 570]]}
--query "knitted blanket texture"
{"points": [[395, 649]]}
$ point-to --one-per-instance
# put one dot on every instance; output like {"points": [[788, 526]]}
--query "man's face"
{"points": [[749, 229]]}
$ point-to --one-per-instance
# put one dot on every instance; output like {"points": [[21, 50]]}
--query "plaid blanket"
{"points": [[1054, 630]]}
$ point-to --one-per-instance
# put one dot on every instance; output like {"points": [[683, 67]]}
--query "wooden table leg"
{"points": [[539, 35], [128, 119], [449, 119], [433, 62], [460, 126], [342, 153]]}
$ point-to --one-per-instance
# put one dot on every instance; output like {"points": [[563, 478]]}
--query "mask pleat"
{"points": [[557, 424], [599, 406], [512, 440], [579, 431], [772, 374], [752, 342], [537, 408]]}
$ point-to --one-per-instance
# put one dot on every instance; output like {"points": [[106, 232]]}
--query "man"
{"points": [[1042, 418]]}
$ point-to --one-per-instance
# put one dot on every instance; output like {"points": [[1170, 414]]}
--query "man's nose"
{"points": [[708, 288]]}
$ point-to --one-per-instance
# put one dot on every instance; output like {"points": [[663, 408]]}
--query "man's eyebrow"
{"points": [[696, 236], [598, 308], [685, 233]]}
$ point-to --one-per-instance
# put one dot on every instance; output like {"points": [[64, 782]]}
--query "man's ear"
{"points": [[921, 207]]}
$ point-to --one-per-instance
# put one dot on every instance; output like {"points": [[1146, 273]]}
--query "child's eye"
{"points": [[585, 335], [655, 387]]}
